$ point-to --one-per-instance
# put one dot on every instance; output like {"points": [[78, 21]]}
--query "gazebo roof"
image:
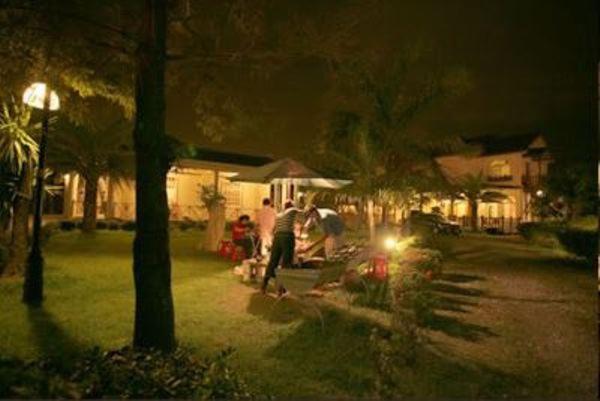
{"points": [[289, 170]]}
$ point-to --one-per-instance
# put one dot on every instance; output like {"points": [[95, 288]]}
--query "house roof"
{"points": [[493, 145], [219, 156]]}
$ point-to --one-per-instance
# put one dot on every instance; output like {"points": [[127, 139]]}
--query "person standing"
{"points": [[332, 225], [265, 218], [284, 243]]}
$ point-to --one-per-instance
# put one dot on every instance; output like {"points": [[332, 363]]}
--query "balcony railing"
{"points": [[499, 178]]}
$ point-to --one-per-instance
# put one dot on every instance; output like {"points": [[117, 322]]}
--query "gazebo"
{"points": [[286, 176]]}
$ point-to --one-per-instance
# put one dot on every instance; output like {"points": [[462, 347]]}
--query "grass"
{"points": [[479, 337]]}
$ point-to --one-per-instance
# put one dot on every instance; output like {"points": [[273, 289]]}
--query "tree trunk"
{"points": [[215, 229], [154, 315], [360, 209], [371, 218], [90, 205], [384, 213], [17, 256], [473, 206]]}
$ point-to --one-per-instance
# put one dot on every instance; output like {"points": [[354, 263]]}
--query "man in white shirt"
{"points": [[332, 226], [265, 218]]}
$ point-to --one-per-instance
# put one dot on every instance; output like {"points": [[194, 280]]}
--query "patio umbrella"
{"points": [[290, 171]]}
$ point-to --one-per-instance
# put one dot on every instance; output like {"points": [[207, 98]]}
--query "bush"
{"points": [[413, 298], [124, 373], [101, 225], [441, 243], [114, 225], [67, 225], [48, 230], [540, 233], [583, 243], [374, 294], [128, 226], [3, 256], [428, 262]]}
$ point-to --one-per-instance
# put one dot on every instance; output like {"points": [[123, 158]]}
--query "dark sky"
{"points": [[532, 66]]}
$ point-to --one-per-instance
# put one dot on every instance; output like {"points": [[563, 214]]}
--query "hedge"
{"points": [[125, 373], [583, 243]]}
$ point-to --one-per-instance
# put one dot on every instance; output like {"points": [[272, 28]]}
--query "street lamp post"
{"points": [[38, 96]]}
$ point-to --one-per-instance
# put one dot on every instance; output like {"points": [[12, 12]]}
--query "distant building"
{"points": [[184, 184], [513, 165]]}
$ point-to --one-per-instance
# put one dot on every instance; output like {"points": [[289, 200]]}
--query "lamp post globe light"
{"points": [[37, 96]]}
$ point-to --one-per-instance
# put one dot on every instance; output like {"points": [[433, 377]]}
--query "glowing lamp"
{"points": [[36, 93], [390, 243], [539, 193]]}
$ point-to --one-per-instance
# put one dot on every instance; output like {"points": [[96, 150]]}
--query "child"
{"points": [[240, 234]]}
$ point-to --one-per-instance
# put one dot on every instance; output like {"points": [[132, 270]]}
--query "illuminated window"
{"points": [[499, 169], [232, 193]]}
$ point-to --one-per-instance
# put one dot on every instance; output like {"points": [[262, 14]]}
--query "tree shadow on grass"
{"points": [[438, 374], [452, 304], [50, 339], [456, 290], [337, 355], [343, 358], [455, 298], [275, 310], [458, 328], [460, 278]]}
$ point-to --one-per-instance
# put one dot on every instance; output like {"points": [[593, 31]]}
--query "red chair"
{"points": [[226, 249]]}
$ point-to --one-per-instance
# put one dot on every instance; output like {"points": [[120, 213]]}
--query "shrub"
{"points": [[441, 243], [48, 230], [187, 224], [583, 243], [374, 294], [101, 225], [128, 226], [3, 256], [124, 373], [540, 233], [412, 296], [426, 261], [67, 225], [114, 225], [493, 231]]}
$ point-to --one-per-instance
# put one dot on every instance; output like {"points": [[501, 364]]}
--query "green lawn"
{"points": [[507, 309]]}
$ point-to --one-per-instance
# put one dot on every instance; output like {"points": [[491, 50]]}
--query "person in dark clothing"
{"points": [[240, 234], [284, 243]]}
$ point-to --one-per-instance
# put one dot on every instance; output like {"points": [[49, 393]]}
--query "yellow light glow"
{"points": [[390, 243], [539, 193], [35, 94]]}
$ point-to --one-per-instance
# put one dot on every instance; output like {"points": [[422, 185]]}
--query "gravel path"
{"points": [[523, 311]]}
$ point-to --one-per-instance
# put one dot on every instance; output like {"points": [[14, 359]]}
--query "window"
{"points": [[232, 193], [499, 170]]}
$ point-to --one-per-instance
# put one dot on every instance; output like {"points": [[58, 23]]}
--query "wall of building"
{"points": [[184, 186]]}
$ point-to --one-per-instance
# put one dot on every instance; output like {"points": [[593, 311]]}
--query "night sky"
{"points": [[532, 66]]}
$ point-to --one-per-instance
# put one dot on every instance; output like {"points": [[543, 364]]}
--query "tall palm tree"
{"points": [[18, 152], [371, 141], [92, 153], [475, 190]]}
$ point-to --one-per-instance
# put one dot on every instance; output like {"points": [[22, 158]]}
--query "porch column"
{"points": [[68, 196], [216, 180], [110, 199]]}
